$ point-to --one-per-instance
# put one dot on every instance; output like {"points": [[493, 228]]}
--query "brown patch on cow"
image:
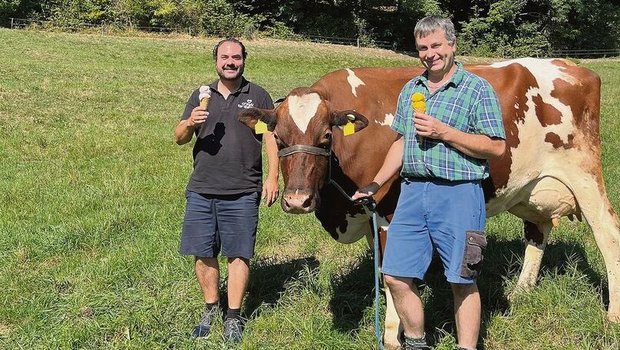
{"points": [[532, 233], [563, 62], [585, 114], [546, 113], [513, 81], [557, 142]]}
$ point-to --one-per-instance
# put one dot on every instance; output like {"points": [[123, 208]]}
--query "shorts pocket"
{"points": [[475, 242]]}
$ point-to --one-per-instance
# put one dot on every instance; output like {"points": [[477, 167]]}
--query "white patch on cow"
{"points": [[354, 81], [388, 120], [358, 227], [543, 69], [534, 157], [303, 108]]}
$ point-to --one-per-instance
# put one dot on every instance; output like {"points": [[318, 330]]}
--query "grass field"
{"points": [[91, 203]]}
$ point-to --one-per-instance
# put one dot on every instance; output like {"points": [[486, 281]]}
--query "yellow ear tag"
{"points": [[348, 129], [260, 127]]}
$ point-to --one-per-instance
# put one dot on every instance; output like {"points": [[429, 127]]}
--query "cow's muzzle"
{"points": [[298, 202]]}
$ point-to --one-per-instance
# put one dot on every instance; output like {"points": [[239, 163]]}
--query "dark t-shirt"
{"points": [[227, 154]]}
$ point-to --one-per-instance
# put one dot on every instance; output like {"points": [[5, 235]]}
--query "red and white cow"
{"points": [[551, 169]]}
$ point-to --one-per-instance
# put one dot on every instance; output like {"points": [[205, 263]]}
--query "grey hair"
{"points": [[429, 24]]}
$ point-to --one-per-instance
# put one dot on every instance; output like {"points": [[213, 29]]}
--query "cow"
{"points": [[551, 167]]}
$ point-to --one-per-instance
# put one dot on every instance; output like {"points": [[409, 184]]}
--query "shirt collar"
{"points": [[244, 87], [455, 79]]}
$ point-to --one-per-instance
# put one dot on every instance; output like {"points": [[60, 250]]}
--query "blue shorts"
{"points": [[433, 214], [213, 223]]}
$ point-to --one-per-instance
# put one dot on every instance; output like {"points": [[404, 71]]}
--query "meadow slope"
{"points": [[92, 198]]}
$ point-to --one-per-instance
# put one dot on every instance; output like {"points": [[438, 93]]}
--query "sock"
{"points": [[233, 313], [211, 306], [414, 341]]}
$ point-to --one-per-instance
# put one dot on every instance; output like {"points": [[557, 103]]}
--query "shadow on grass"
{"points": [[268, 279], [503, 260], [353, 292]]}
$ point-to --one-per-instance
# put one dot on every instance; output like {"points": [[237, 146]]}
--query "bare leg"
{"points": [[238, 277], [208, 275], [467, 311], [408, 305]]}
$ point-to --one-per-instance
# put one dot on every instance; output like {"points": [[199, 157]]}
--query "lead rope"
{"points": [[372, 206], [370, 203]]}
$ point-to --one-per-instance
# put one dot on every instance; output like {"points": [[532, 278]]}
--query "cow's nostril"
{"points": [[307, 203], [297, 203]]}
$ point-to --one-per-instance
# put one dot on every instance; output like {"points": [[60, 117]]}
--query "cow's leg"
{"points": [[603, 220], [536, 236], [392, 322]]}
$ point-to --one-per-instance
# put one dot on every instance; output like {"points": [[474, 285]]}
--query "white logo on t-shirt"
{"points": [[247, 104]]}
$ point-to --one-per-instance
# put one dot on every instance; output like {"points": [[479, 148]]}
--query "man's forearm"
{"points": [[183, 133]]}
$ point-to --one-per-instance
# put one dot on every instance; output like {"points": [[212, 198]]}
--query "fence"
{"points": [[350, 41], [594, 53], [19, 23]]}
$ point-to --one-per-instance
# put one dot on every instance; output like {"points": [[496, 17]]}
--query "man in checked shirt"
{"points": [[442, 156]]}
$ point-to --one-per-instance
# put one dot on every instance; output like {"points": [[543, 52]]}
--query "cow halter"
{"points": [[317, 151]]}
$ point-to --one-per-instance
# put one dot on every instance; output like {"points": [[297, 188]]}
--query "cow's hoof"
{"points": [[613, 317], [391, 346], [518, 291]]}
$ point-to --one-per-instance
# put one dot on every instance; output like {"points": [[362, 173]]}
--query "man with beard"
{"points": [[442, 153], [225, 187]]}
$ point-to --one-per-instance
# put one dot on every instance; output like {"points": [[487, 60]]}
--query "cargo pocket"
{"points": [[475, 242]]}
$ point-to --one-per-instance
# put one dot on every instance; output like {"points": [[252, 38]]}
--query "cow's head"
{"points": [[303, 125]]}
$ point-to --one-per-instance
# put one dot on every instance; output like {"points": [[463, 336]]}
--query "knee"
{"points": [[397, 283], [463, 290]]}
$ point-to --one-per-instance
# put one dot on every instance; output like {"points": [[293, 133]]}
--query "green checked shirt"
{"points": [[466, 102]]}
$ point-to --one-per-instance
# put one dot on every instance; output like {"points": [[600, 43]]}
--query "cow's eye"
{"points": [[327, 140], [279, 142]]}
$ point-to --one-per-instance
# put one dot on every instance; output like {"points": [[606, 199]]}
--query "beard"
{"points": [[235, 73]]}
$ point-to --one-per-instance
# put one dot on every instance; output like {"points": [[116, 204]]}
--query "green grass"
{"points": [[91, 203]]}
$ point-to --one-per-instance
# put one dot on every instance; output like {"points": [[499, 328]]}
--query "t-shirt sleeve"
{"points": [[267, 102]]}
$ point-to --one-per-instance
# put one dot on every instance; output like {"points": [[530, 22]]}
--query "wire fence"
{"points": [[20, 23], [594, 53]]}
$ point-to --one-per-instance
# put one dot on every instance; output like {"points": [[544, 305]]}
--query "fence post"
{"points": [[358, 42], [11, 22]]}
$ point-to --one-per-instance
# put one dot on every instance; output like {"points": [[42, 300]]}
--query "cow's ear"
{"points": [[251, 116], [341, 118]]}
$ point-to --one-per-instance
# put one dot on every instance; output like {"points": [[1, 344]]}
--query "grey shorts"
{"points": [[220, 223]]}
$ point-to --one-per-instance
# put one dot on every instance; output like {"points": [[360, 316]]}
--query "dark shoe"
{"points": [[233, 330], [407, 343], [203, 329]]}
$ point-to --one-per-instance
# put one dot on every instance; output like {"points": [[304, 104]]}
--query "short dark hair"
{"points": [[244, 53]]}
